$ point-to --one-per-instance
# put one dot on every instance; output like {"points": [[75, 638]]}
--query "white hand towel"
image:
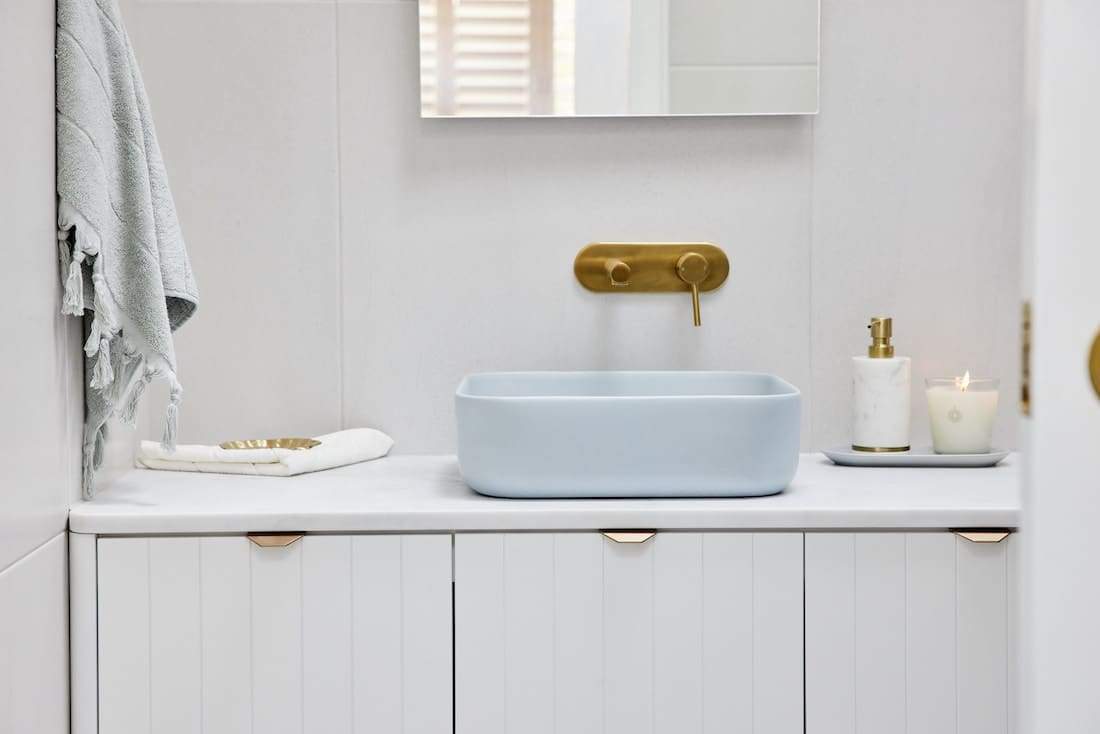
{"points": [[336, 449]]}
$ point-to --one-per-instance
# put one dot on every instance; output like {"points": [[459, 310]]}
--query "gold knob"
{"points": [[618, 271], [692, 269]]}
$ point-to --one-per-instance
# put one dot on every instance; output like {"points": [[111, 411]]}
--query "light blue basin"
{"points": [[627, 434]]}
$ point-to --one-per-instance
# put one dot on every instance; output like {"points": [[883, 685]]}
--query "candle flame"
{"points": [[963, 382]]}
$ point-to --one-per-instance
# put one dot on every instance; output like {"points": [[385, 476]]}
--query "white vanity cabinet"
{"points": [[908, 633], [330, 634], [410, 605], [574, 632]]}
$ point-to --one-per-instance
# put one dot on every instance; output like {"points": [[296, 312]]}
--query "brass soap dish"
{"points": [[294, 444]]}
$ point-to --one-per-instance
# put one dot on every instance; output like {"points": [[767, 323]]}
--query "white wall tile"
{"points": [[460, 237], [916, 198], [34, 642], [40, 362], [244, 98]]}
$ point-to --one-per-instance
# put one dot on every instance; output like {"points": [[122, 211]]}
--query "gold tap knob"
{"points": [[692, 269], [618, 271]]}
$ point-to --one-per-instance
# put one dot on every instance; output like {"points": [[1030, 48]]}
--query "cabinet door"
{"points": [[331, 634], [572, 633], [906, 633]]}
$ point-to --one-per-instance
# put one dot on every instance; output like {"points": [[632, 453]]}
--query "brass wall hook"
{"points": [[652, 267]]}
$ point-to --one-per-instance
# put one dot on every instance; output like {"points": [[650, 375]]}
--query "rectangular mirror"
{"points": [[580, 58]]}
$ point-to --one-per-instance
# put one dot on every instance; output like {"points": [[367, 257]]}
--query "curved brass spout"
{"points": [[692, 269]]}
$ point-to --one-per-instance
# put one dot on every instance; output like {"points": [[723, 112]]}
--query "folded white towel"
{"points": [[336, 449]]}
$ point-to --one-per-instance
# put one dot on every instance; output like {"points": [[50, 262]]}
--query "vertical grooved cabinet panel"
{"points": [[880, 633], [628, 636], [277, 639], [930, 632], [572, 633], [777, 632], [830, 633], [529, 633], [326, 630], [678, 633], [124, 670], [377, 633], [906, 632], [578, 662], [226, 635], [331, 634], [175, 639], [426, 598], [480, 673], [728, 631], [982, 666]]}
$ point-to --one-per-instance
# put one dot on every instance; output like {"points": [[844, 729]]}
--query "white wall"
{"points": [[1060, 599], [34, 639], [40, 371], [355, 261]]}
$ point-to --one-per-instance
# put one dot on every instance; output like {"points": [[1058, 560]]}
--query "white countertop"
{"points": [[425, 493]]}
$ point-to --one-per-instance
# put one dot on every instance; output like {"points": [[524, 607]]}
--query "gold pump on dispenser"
{"points": [[881, 331]]}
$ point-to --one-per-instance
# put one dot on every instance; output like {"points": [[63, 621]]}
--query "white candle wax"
{"points": [[962, 420]]}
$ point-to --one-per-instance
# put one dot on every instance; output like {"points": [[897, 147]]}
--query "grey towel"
{"points": [[122, 253]]}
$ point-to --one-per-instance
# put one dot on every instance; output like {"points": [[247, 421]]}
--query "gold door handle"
{"points": [[274, 540], [692, 269], [628, 536], [1094, 364], [985, 535]]}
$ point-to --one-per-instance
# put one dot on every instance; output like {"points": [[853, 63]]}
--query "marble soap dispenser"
{"points": [[880, 394]]}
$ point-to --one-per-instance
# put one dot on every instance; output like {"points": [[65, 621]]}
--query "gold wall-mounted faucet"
{"points": [[652, 267]]}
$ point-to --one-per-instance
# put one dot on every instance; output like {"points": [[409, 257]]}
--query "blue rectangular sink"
{"points": [[627, 434]]}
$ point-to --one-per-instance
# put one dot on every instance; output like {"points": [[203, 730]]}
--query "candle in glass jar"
{"points": [[961, 411]]}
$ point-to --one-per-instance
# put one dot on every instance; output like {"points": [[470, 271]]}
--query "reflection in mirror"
{"points": [[565, 58]]}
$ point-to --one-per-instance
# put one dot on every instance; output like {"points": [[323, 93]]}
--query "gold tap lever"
{"points": [[692, 269]]}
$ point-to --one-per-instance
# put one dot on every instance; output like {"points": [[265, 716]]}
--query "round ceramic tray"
{"points": [[846, 456]]}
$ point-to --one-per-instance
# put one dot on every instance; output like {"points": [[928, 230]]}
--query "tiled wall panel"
{"points": [[356, 261]]}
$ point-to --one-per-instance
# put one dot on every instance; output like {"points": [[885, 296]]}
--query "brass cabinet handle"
{"points": [[628, 536], [274, 540], [985, 535]]}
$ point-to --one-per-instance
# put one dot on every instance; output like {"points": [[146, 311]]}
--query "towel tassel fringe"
{"points": [[129, 412], [73, 302], [104, 306], [103, 374], [175, 396], [89, 471]]}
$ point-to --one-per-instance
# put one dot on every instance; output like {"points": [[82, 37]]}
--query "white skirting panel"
{"points": [[34, 671], [906, 633], [331, 634], [572, 633]]}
